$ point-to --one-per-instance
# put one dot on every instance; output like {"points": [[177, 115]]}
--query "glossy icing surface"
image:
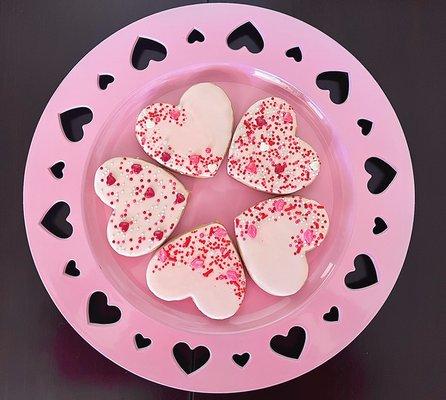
{"points": [[274, 236], [192, 137], [266, 153], [202, 264], [147, 204]]}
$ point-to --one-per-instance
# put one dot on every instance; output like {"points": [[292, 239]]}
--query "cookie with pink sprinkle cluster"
{"points": [[274, 237], [192, 137], [204, 265], [147, 204], [266, 153]]}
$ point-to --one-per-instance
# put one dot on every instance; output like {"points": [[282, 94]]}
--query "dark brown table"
{"points": [[401, 355]]}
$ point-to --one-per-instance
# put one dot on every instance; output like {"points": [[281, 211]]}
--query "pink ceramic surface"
{"points": [[332, 131]]}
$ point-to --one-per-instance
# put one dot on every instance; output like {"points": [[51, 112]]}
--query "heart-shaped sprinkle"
{"points": [[202, 264], [220, 232], [162, 255], [197, 263], [252, 231], [288, 118], [136, 168], [149, 193], [110, 179], [191, 138], [252, 167], [144, 201], [165, 156], [266, 137], [194, 159], [124, 226], [279, 204], [308, 236], [179, 198], [282, 229], [158, 235], [174, 114]]}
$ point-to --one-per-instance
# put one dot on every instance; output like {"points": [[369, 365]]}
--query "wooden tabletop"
{"points": [[401, 354]]}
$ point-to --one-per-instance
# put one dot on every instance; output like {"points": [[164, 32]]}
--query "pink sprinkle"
{"points": [[260, 121], [252, 231], [308, 236], [220, 232], [174, 114], [197, 263], [194, 159], [232, 275], [288, 117], [208, 150], [279, 204], [252, 167], [163, 256]]}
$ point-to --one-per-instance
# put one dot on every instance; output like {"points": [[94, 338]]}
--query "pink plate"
{"points": [[332, 129]]}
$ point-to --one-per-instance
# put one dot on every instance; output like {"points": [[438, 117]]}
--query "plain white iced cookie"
{"points": [[204, 265], [147, 204], [192, 137], [266, 153], [274, 237]]}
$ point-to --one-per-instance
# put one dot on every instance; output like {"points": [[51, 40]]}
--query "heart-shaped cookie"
{"points": [[202, 264], [265, 152], [147, 204], [274, 236], [192, 137]]}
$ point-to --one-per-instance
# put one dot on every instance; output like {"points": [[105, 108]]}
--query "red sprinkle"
{"points": [[149, 193], [165, 156], [260, 121], [110, 179], [279, 168], [208, 272], [194, 159], [180, 198], [136, 168], [158, 235], [124, 226]]}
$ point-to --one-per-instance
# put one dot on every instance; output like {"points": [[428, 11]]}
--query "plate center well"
{"points": [[220, 198]]}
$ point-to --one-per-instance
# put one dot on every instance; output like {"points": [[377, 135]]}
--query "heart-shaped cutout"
{"points": [[294, 53], [364, 274], [147, 204], [332, 315], [265, 152], [204, 265], [241, 359], [382, 175], [192, 137], [380, 226], [141, 342], [273, 238], [365, 125], [55, 220], [57, 169], [71, 269], [190, 360], [336, 82], [146, 50], [73, 122], [291, 345], [99, 312], [246, 35], [195, 36], [104, 80]]}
